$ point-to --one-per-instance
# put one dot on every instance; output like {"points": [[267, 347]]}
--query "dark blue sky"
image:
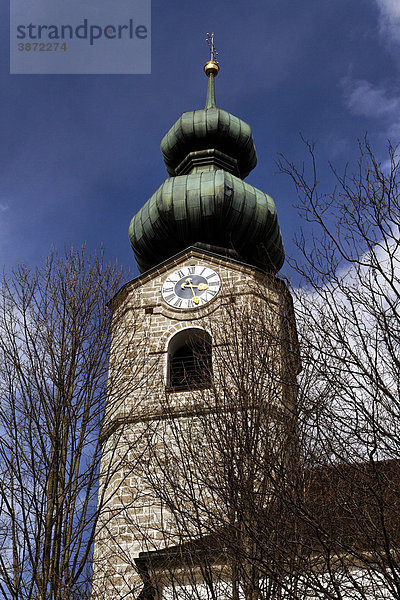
{"points": [[80, 154]]}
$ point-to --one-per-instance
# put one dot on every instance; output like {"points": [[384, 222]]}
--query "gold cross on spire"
{"points": [[212, 66], [211, 69], [211, 45]]}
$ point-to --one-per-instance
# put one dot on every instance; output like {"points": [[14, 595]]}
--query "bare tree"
{"points": [[253, 490], [55, 332], [347, 306], [269, 497]]}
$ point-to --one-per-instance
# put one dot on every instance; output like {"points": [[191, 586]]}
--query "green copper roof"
{"points": [[204, 201], [210, 100], [210, 128], [214, 208]]}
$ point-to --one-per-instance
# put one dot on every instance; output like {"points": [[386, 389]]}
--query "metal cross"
{"points": [[210, 42]]}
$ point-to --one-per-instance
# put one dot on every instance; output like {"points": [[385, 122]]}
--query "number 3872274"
{"points": [[42, 47]]}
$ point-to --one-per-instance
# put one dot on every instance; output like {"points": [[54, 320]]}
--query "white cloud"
{"points": [[389, 18], [363, 98], [348, 323]]}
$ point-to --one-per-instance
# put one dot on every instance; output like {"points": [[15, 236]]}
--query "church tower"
{"points": [[203, 355]]}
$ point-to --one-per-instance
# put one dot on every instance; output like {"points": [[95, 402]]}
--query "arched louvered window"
{"points": [[190, 360]]}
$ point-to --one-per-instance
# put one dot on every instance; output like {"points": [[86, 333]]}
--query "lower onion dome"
{"points": [[213, 208]]}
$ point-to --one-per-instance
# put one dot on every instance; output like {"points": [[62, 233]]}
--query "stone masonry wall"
{"points": [[145, 424]]}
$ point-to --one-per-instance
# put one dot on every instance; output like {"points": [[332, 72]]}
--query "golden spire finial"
{"points": [[212, 66]]}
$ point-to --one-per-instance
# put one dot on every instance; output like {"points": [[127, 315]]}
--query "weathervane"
{"points": [[213, 52]]}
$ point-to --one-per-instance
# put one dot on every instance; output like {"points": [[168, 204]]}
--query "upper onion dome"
{"points": [[204, 201], [198, 131]]}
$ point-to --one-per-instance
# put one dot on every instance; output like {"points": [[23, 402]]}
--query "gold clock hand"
{"points": [[201, 287], [190, 285], [187, 283]]}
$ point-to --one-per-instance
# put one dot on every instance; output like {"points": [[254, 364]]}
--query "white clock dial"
{"points": [[191, 287]]}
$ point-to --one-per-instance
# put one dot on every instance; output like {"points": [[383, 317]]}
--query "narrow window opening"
{"points": [[190, 360]]}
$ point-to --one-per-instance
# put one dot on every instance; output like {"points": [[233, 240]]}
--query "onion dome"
{"points": [[205, 201], [209, 136], [215, 208]]}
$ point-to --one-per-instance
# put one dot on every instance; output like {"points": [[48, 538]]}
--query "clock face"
{"points": [[191, 287]]}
